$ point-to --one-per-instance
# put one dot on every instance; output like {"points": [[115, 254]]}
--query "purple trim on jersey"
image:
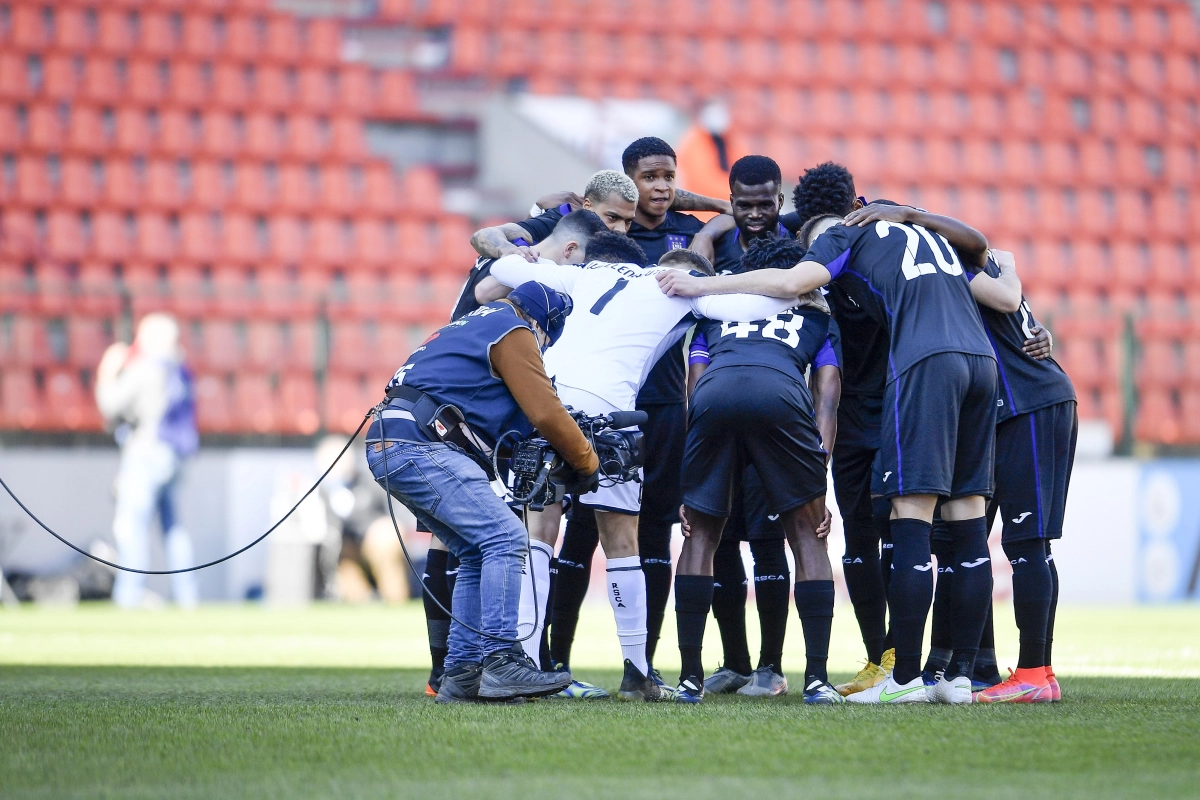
{"points": [[521, 241], [564, 209], [1037, 475], [836, 266], [896, 414], [970, 275], [999, 365], [780, 232], [826, 357], [698, 352]]}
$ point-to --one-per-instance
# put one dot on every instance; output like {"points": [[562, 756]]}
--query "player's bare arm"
{"points": [[1002, 293], [690, 201], [966, 240], [783, 283], [497, 241], [826, 388], [704, 242], [556, 199]]}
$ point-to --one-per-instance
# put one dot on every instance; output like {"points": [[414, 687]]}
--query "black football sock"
{"points": [[971, 594], [451, 577], [864, 582], [1053, 604], [571, 584], [693, 599], [654, 546], [911, 593], [814, 604], [437, 621], [941, 642], [986, 668], [772, 583], [881, 508], [729, 605], [547, 661]]}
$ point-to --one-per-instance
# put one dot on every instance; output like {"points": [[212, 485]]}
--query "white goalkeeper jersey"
{"points": [[622, 322]]}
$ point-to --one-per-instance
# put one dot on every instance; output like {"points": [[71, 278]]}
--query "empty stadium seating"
{"points": [[210, 159]]}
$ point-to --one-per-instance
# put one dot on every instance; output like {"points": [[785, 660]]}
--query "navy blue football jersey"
{"points": [[1025, 384], [675, 233], [920, 281], [787, 342], [667, 381], [866, 338], [543, 224], [728, 250]]}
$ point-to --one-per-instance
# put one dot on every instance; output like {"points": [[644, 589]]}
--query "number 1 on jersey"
{"points": [[604, 299]]}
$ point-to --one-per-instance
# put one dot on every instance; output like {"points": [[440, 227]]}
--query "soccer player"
{"points": [[658, 229], [609, 194], [1036, 429], [622, 327], [828, 189], [938, 416], [756, 197], [752, 407]]}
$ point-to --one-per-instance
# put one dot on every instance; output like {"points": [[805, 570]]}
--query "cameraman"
{"points": [[472, 382]]}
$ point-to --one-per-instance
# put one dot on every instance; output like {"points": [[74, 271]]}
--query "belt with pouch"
{"points": [[444, 422]]}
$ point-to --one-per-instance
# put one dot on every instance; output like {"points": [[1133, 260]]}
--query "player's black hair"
{"points": [[825, 189], [772, 253], [615, 248], [687, 259], [755, 171], [642, 148], [581, 225], [806, 229]]}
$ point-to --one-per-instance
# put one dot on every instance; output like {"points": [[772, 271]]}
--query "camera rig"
{"points": [[540, 476]]}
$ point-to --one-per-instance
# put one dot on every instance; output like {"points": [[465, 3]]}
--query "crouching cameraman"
{"points": [[430, 445]]}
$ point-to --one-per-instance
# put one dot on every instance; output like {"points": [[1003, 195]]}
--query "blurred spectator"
{"points": [[703, 154], [362, 549], [144, 391]]}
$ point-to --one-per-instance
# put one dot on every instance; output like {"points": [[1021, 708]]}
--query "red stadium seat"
{"points": [[45, 128], [21, 405], [1157, 417], [154, 237], [209, 188], [282, 38], [218, 137], [256, 403], [78, 182], [177, 133], [162, 184], [347, 399], [299, 404], [252, 193], [239, 240], [230, 89], [116, 35], [100, 82], [296, 189], [120, 183], [382, 193], [65, 238], [199, 35], [145, 84], [33, 184], [69, 404], [110, 235], [214, 403], [70, 28], [307, 137], [198, 241], [18, 233], [133, 132], [287, 240]]}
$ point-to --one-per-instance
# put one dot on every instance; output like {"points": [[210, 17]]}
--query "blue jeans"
{"points": [[450, 494]]}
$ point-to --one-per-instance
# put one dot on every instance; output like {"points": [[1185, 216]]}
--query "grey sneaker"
{"points": [[636, 686], [764, 682], [512, 674], [460, 685], [725, 681]]}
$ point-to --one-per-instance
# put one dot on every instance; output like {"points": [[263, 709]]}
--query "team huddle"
{"points": [[874, 339]]}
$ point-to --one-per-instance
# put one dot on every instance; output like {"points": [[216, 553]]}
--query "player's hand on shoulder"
{"points": [[876, 212], [530, 254], [677, 283], [559, 198], [1041, 345]]}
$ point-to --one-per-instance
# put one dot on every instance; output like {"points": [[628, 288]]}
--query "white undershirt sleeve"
{"points": [[513, 270], [739, 307]]}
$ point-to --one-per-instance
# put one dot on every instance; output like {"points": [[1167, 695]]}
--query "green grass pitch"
{"points": [[327, 702]]}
